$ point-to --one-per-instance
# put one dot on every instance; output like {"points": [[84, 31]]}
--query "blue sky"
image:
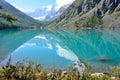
{"points": [[30, 5]]}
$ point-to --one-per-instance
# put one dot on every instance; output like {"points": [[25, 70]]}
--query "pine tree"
{"points": [[7, 17]]}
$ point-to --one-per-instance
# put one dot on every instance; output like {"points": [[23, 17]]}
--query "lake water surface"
{"points": [[61, 48]]}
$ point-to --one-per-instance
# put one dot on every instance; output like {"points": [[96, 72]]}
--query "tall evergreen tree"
{"points": [[7, 17]]}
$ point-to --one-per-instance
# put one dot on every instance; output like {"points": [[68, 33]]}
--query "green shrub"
{"points": [[115, 71], [90, 22], [117, 14], [20, 71]]}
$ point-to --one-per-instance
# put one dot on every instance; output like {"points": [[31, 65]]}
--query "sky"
{"points": [[31, 5]]}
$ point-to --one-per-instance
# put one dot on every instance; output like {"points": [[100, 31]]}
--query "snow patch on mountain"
{"points": [[47, 13]]}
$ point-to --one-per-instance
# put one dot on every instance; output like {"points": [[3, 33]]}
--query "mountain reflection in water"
{"points": [[61, 48]]}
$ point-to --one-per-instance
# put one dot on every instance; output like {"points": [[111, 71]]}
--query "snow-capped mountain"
{"points": [[46, 13]]}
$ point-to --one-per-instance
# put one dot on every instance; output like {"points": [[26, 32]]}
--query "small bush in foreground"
{"points": [[20, 71]]}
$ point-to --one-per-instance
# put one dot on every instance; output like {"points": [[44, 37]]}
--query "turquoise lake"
{"points": [[61, 48]]}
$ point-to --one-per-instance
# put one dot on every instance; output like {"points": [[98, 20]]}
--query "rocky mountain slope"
{"points": [[24, 20], [90, 14]]}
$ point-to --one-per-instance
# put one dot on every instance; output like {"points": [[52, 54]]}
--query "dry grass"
{"points": [[28, 72]]}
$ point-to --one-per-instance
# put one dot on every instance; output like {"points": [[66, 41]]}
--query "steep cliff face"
{"points": [[87, 9], [109, 6]]}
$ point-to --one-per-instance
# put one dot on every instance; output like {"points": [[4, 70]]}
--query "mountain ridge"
{"points": [[80, 14], [24, 21]]}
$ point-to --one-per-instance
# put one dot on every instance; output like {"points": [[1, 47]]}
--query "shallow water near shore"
{"points": [[61, 48]]}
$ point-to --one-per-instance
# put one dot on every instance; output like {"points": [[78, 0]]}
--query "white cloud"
{"points": [[49, 46], [68, 54], [22, 9], [41, 18], [41, 37], [60, 3], [48, 8]]}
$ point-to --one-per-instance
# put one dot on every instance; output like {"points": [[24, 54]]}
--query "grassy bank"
{"points": [[31, 71]]}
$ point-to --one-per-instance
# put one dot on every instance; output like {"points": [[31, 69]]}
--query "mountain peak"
{"points": [[47, 13]]}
